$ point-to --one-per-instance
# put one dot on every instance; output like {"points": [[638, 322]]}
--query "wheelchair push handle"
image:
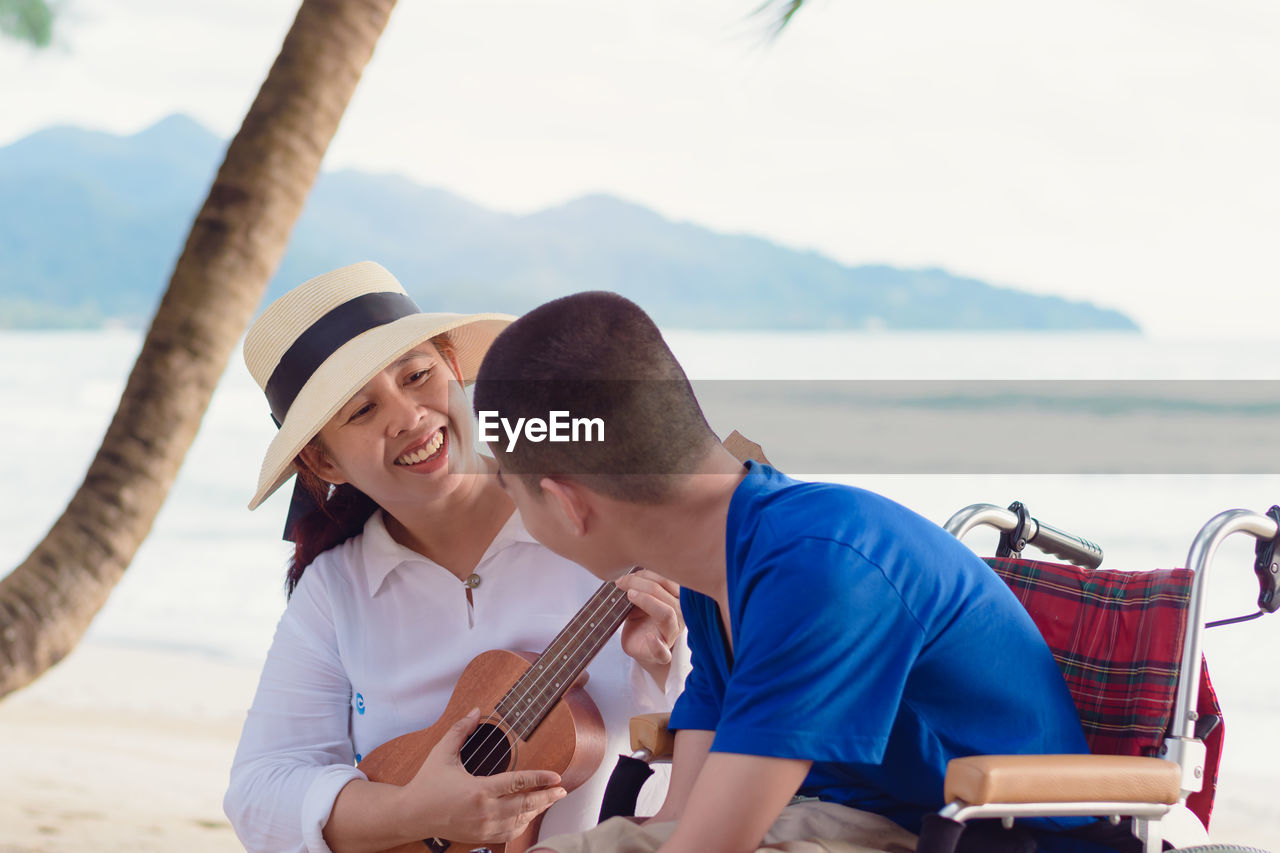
{"points": [[1072, 548], [1019, 529]]}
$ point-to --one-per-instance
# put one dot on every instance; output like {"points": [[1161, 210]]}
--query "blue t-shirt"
{"points": [[870, 641]]}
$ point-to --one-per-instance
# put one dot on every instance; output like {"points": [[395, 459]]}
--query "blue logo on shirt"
{"points": [[359, 703]]}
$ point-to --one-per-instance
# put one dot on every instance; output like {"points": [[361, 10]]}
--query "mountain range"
{"points": [[91, 224]]}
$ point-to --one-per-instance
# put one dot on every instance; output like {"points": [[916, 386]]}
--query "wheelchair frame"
{"points": [[1181, 745]]}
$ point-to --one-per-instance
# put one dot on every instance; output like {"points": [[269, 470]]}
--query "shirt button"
{"points": [[472, 581]]}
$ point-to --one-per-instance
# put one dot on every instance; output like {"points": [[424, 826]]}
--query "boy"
{"points": [[843, 647]]}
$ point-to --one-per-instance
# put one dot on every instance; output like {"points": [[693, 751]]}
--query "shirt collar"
{"points": [[383, 555]]}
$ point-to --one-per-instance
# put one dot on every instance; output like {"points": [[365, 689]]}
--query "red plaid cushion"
{"points": [[1117, 636]]}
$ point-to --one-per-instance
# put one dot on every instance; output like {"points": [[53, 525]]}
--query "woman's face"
{"points": [[404, 436]]}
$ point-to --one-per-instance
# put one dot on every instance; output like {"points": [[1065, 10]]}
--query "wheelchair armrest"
{"points": [[649, 732], [984, 779]]}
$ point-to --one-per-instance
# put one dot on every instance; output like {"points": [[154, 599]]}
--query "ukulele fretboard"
{"points": [[537, 692]]}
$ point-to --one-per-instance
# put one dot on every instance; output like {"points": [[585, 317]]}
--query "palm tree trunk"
{"points": [[234, 247]]}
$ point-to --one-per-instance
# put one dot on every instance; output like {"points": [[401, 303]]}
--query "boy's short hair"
{"points": [[595, 355]]}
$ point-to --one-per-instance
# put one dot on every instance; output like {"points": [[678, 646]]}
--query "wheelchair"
{"points": [[1129, 645]]}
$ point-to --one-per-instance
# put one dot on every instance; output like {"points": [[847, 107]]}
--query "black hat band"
{"points": [[324, 337]]}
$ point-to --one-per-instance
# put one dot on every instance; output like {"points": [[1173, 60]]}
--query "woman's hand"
{"points": [[654, 625], [443, 800]]}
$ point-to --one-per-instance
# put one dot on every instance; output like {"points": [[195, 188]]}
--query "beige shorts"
{"points": [[810, 827]]}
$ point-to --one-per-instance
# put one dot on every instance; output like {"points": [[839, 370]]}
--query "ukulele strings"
{"points": [[607, 596], [603, 628], [607, 599], [495, 738]]}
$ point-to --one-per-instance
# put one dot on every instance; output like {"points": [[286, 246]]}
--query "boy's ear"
{"points": [[571, 504], [318, 461]]}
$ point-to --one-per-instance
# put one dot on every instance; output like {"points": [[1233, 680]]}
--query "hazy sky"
{"points": [[1121, 152]]}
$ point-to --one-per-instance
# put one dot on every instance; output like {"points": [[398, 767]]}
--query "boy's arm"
{"points": [[734, 801], [687, 758]]}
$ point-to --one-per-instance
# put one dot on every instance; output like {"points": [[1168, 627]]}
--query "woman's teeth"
{"points": [[423, 453]]}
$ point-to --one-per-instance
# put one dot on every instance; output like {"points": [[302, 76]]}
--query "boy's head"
{"points": [[630, 424]]}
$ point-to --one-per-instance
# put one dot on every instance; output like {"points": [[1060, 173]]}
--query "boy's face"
{"points": [[547, 520]]}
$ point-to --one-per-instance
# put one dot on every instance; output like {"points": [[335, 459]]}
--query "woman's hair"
{"points": [[340, 511]]}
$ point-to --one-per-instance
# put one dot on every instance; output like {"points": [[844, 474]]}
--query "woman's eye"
{"points": [[360, 412], [419, 376]]}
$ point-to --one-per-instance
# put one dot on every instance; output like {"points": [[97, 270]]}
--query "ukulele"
{"points": [[531, 717]]}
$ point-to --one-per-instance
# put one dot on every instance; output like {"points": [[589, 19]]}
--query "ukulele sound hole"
{"points": [[487, 751]]}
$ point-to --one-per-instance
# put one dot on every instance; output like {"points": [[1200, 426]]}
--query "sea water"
{"points": [[209, 579]]}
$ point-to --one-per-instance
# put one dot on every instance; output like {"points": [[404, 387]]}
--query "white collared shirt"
{"points": [[370, 647]]}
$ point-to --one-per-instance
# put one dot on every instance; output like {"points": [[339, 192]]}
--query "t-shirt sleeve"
{"points": [[698, 706], [823, 646]]}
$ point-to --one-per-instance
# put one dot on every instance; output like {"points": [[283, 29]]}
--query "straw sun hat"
{"points": [[320, 343]]}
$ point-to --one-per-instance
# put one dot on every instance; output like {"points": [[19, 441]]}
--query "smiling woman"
{"points": [[410, 562], [347, 509]]}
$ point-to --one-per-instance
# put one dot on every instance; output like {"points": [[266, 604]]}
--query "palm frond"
{"points": [[27, 20], [783, 11]]}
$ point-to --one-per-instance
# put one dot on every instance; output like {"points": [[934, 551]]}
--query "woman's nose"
{"points": [[404, 413]]}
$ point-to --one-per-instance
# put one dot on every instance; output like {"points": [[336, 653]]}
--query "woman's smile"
{"points": [[427, 455]]}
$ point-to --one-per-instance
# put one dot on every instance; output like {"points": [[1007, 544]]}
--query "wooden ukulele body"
{"points": [[570, 740]]}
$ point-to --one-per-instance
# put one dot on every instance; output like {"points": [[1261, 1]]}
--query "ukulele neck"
{"points": [[568, 654]]}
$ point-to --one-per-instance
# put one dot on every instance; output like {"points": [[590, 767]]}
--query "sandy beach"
{"points": [[119, 749]]}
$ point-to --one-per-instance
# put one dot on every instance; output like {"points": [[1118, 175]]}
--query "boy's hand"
{"points": [[654, 625]]}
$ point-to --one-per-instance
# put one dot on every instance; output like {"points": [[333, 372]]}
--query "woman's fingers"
{"points": [[519, 796], [659, 606], [664, 601], [523, 781], [646, 579], [653, 627], [450, 743], [656, 617]]}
